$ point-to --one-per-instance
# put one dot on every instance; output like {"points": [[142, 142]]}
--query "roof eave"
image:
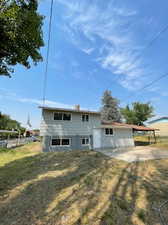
{"points": [[68, 110]]}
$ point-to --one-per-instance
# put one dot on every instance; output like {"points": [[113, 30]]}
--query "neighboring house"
{"points": [[75, 129], [161, 124]]}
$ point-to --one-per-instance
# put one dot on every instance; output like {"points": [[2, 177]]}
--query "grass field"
{"points": [[73, 188]]}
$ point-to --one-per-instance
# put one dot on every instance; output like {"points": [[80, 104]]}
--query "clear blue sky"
{"points": [[95, 45]]}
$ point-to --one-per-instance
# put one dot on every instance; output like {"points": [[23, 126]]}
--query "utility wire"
{"points": [[152, 41], [47, 56], [164, 29], [136, 58], [147, 85]]}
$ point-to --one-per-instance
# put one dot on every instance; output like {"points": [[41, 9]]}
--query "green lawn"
{"points": [[7, 155], [79, 187]]}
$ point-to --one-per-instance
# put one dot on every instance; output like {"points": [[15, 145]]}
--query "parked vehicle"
{"points": [[34, 139], [3, 144]]}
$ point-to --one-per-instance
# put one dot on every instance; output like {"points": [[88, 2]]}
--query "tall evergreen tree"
{"points": [[110, 108]]}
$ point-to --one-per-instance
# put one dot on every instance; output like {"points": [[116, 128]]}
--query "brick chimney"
{"points": [[77, 107]]}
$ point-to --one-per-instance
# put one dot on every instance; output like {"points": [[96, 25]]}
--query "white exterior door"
{"points": [[96, 138]]}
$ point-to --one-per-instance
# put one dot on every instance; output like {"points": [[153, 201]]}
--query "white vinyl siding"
{"points": [[122, 137], [76, 126]]}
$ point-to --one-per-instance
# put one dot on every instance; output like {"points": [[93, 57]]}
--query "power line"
{"points": [[147, 46], [152, 41], [157, 35], [47, 56], [148, 85]]}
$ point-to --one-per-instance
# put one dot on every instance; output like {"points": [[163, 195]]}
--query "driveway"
{"points": [[140, 153]]}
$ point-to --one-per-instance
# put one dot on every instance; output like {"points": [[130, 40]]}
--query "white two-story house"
{"points": [[68, 128], [75, 129]]}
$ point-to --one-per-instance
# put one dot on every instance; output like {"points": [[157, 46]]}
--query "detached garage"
{"points": [[112, 135]]}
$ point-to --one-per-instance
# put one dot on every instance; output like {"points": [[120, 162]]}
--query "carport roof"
{"points": [[124, 125]]}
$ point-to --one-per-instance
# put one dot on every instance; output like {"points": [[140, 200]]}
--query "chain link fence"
{"points": [[16, 142]]}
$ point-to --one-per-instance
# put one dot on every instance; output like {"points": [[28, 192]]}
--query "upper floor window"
{"points": [[62, 116], [109, 131], [85, 117]]}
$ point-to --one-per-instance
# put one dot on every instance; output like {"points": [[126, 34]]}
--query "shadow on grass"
{"points": [[21, 170], [123, 198], [142, 143], [78, 188], [157, 193], [66, 175], [141, 189]]}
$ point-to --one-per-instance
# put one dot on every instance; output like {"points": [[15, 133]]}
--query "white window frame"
{"points": [[85, 115], [85, 141], [109, 132], [61, 142], [62, 116]]}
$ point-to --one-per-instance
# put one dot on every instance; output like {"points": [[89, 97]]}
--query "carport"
{"points": [[135, 129], [149, 130]]}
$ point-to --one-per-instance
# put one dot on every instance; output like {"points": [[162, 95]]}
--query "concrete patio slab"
{"points": [[140, 153]]}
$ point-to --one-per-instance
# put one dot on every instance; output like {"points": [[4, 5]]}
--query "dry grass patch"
{"points": [[81, 187], [162, 142]]}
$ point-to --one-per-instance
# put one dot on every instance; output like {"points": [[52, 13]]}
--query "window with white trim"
{"points": [[85, 118], [109, 131], [85, 141], [62, 116], [60, 142]]}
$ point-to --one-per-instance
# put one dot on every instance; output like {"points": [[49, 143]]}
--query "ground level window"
{"points": [[65, 142], [60, 142], [56, 142], [109, 131], [85, 141]]}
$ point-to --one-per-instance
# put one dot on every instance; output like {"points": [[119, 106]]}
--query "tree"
{"points": [[110, 110], [20, 34], [138, 113], [6, 123]]}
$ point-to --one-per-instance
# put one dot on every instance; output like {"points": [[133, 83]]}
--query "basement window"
{"points": [[85, 141], [109, 131], [60, 142], [56, 142]]}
